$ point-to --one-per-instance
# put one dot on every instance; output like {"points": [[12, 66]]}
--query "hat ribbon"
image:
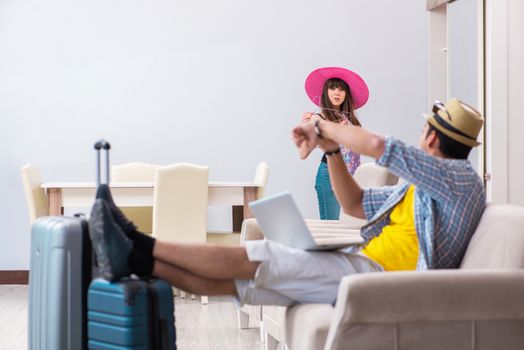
{"points": [[446, 126]]}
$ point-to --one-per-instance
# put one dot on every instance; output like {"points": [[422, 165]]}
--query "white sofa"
{"points": [[479, 306]]}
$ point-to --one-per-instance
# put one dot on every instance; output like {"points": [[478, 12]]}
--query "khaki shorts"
{"points": [[288, 276]]}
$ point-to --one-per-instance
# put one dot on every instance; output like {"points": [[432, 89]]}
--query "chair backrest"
{"points": [[261, 176], [373, 175], [131, 172], [180, 203], [498, 241], [35, 195], [369, 175], [135, 171]]}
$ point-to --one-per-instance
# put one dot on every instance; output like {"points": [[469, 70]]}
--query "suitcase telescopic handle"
{"points": [[99, 145]]}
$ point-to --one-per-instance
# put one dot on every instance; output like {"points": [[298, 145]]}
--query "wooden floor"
{"points": [[13, 317], [213, 326]]}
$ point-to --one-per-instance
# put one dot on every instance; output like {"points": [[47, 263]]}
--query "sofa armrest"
{"points": [[311, 222], [431, 296], [250, 231], [346, 221], [274, 319], [438, 295], [427, 306]]}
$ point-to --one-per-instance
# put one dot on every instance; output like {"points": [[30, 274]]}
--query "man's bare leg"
{"points": [[192, 283], [210, 261]]}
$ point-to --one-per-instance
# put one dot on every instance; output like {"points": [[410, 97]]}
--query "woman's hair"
{"points": [[346, 107], [449, 147]]}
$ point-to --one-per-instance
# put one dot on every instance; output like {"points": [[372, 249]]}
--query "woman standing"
{"points": [[338, 92]]}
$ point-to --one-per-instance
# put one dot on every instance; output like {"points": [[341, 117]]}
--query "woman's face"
{"points": [[336, 96]]}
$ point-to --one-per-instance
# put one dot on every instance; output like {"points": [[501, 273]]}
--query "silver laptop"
{"points": [[281, 221]]}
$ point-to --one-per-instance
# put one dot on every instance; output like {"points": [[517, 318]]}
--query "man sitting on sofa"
{"points": [[424, 223]]}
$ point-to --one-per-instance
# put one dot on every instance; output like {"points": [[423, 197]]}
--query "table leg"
{"points": [[55, 201], [242, 211], [250, 194], [238, 217]]}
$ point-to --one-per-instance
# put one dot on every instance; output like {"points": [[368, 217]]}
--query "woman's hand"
{"points": [[311, 117], [306, 117]]}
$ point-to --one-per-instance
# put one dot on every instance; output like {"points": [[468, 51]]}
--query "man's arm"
{"points": [[348, 192], [304, 151], [356, 139]]}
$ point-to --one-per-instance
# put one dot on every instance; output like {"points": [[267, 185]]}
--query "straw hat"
{"points": [[456, 120], [316, 79]]}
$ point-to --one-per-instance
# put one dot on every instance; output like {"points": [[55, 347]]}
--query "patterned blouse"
{"points": [[351, 159]]}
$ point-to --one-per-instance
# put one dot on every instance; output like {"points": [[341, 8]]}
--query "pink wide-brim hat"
{"points": [[316, 79]]}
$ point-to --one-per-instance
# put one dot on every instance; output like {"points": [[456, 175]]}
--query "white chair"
{"points": [[180, 204], [254, 312], [261, 177], [251, 231], [369, 175], [136, 172], [35, 195]]}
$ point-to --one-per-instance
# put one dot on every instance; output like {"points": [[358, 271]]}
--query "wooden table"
{"points": [[140, 194]]}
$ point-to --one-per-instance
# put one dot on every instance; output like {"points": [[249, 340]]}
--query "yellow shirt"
{"points": [[396, 248]]}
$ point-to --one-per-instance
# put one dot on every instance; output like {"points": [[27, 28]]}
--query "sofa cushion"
{"points": [[498, 241]]}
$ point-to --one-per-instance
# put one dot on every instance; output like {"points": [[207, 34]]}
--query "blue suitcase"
{"points": [[130, 314]]}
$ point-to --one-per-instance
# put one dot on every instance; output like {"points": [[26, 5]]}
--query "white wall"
{"points": [[462, 50], [462, 56], [505, 100], [515, 101], [216, 83]]}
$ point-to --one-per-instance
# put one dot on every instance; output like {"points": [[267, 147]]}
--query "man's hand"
{"points": [[306, 139]]}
